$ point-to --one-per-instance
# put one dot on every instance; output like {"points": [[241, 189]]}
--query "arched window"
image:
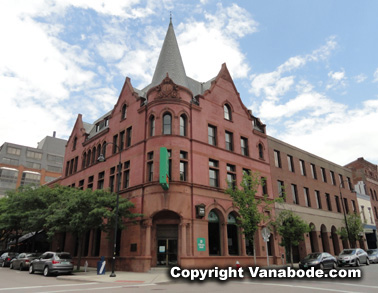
{"points": [[261, 151], [124, 111], [98, 151], [104, 149], [183, 125], [152, 125], [89, 156], [167, 123], [232, 235], [94, 159], [84, 159], [227, 112], [214, 234]]}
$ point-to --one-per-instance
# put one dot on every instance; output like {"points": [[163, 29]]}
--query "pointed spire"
{"points": [[170, 61]]}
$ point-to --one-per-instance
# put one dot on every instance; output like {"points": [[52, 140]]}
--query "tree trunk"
{"points": [[291, 255], [79, 251]]}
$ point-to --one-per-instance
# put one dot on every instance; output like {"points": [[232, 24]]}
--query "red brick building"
{"points": [[211, 137], [315, 189]]}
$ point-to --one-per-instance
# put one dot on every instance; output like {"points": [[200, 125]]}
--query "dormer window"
{"points": [[106, 121], [124, 111], [227, 112], [97, 127]]}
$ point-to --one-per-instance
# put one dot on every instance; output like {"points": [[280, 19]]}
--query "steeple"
{"points": [[170, 61]]}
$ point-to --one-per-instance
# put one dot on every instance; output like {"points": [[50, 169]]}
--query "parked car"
{"points": [[353, 256], [52, 263], [6, 258], [22, 261], [318, 260], [373, 255]]}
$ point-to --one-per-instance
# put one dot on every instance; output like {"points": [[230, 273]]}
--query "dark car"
{"points": [[373, 255], [318, 260], [353, 257], [52, 263], [6, 258], [22, 261]]}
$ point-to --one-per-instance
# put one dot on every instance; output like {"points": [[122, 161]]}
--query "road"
{"points": [[16, 281]]}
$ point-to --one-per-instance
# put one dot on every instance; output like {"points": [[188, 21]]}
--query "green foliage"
{"points": [[250, 206], [355, 227], [291, 228]]}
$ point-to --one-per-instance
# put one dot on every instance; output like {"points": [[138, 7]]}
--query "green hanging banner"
{"points": [[164, 168]]}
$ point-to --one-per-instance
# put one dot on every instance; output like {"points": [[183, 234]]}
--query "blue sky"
{"points": [[308, 69]]}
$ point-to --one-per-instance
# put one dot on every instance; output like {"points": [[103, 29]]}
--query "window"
{"points": [[150, 166], [34, 155], [115, 140], [29, 177], [183, 125], [214, 235], [346, 205], [264, 185], [332, 174], [121, 140], [152, 125], [302, 167], [328, 201], [90, 182], [290, 163], [124, 112], [106, 121], [74, 143], [354, 206], [363, 213], [337, 200], [167, 123], [370, 215], [281, 188], [183, 166], [318, 199], [227, 112], [81, 184], [232, 235], [112, 179], [231, 175], [126, 174], [229, 141], [10, 161], [169, 164], [277, 159], [244, 146], [55, 159], [212, 134], [261, 151], [323, 174], [213, 173], [128, 136], [54, 169], [33, 165], [294, 193], [8, 179], [100, 180], [313, 171], [341, 180], [376, 212], [306, 197], [350, 184], [97, 127], [13, 151]]}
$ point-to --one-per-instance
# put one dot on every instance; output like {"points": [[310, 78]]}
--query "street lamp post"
{"points": [[344, 212], [101, 158]]}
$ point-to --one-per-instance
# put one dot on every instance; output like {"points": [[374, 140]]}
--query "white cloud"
{"points": [[360, 78], [337, 79], [375, 76]]}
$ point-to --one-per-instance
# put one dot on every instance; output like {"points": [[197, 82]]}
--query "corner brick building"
{"points": [[211, 137]]}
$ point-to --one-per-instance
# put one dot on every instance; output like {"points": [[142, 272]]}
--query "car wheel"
{"points": [[321, 266], [357, 262], [11, 265], [31, 269], [334, 266], [367, 261], [46, 271], [3, 264]]}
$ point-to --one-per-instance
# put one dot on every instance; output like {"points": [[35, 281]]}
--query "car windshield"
{"points": [[370, 252], [33, 254], [348, 251], [313, 256]]}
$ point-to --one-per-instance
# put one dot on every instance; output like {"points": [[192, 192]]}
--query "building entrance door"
{"points": [[167, 245]]}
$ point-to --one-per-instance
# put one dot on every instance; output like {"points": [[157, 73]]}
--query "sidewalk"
{"points": [[132, 278]]}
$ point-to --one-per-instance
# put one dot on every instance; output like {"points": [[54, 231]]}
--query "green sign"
{"points": [[164, 168], [201, 244]]}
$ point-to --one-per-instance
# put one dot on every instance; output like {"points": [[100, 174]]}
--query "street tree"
{"points": [[355, 228], [291, 228], [251, 207], [79, 211]]}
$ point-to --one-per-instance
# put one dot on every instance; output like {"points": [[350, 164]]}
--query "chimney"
{"points": [[54, 133]]}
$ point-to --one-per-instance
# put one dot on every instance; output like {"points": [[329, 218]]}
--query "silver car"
{"points": [[22, 261], [373, 255], [353, 257], [52, 263]]}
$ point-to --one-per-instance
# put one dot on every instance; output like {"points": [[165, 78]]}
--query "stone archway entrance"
{"points": [[166, 228]]}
